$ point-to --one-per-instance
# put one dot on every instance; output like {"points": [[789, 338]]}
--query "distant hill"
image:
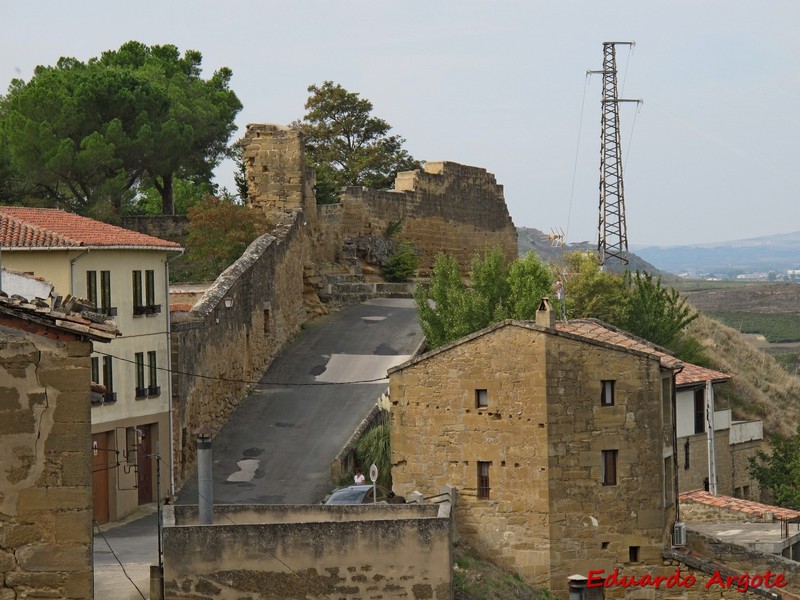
{"points": [[533, 240], [756, 255]]}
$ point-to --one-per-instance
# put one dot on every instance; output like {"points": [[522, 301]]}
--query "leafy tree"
{"points": [[449, 309], [347, 145], [186, 193], [85, 135], [219, 232], [779, 470], [591, 292]]}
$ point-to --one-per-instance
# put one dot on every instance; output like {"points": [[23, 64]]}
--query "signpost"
{"points": [[373, 476]]}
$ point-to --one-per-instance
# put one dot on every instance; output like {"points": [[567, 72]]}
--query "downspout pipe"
{"points": [[674, 395]]}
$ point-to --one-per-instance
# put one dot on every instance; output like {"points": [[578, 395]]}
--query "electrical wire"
{"points": [[114, 554], [577, 152], [248, 381]]}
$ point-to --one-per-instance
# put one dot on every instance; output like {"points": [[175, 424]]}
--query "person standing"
{"points": [[359, 477]]}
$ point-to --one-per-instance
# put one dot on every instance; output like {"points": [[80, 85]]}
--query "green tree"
{"points": [[591, 292], [186, 193], [84, 136], [449, 309], [402, 264], [779, 470], [219, 232], [347, 145]]}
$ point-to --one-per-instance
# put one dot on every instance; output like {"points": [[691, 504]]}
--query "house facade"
{"points": [[722, 457], [558, 438], [125, 275]]}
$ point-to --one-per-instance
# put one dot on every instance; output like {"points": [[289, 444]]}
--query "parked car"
{"points": [[362, 494]]}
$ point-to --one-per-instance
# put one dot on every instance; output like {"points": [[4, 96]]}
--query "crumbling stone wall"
{"points": [[232, 346], [276, 552], [45, 468], [547, 515]]}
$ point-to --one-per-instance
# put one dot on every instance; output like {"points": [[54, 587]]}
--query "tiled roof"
{"points": [[747, 507], [22, 227], [593, 329], [692, 374]]}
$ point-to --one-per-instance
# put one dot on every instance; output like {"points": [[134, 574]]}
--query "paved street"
{"points": [[277, 446]]}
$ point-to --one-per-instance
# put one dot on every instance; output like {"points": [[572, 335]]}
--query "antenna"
{"points": [[612, 241]]}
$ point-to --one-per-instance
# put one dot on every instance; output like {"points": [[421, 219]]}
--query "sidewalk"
{"points": [[134, 541]]}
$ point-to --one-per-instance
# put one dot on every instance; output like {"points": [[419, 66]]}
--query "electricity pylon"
{"points": [[612, 240]]}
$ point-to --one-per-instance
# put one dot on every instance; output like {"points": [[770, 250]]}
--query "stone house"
{"points": [[733, 441], [46, 451], [558, 438], [125, 275]]}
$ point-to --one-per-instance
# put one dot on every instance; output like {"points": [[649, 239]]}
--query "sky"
{"points": [[710, 155]]}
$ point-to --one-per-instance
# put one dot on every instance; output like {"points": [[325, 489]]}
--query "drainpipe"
{"points": [[169, 367], [675, 485], [72, 271], [712, 458]]}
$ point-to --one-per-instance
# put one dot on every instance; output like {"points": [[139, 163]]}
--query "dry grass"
{"points": [[760, 387]]}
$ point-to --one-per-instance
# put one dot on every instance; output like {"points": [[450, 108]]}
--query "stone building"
{"points": [[734, 442], [125, 275], [558, 438], [46, 451]]}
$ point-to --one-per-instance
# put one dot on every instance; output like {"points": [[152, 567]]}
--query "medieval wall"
{"points": [[733, 477], [45, 468], [275, 552], [232, 346]]}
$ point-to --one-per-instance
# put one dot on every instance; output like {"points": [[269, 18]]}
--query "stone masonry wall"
{"points": [[229, 346], [45, 468], [732, 464], [594, 525], [447, 207], [278, 552]]}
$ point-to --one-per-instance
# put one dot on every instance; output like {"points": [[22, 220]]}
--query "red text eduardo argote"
{"points": [[741, 582]]}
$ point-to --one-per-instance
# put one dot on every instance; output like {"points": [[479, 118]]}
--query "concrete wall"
{"points": [[278, 552], [548, 515], [45, 468]]}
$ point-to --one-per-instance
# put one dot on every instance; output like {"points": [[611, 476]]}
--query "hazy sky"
{"points": [[711, 155]]}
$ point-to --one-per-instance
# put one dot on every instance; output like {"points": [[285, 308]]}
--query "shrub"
{"points": [[402, 264]]}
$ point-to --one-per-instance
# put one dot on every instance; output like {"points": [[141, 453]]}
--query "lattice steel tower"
{"points": [[612, 241]]}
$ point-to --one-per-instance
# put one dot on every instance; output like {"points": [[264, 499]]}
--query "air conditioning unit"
{"points": [[679, 534]]}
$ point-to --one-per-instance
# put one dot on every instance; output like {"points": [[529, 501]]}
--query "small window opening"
{"points": [[481, 398]]}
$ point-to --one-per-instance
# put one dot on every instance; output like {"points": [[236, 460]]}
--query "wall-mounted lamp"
{"points": [[228, 301]]}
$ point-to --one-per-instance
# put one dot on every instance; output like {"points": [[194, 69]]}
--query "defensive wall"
{"points": [[308, 551], [276, 285], [45, 468]]}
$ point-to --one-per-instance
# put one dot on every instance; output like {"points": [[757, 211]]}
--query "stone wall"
{"points": [[45, 468], [276, 552], [167, 227], [232, 346], [547, 514], [447, 207]]}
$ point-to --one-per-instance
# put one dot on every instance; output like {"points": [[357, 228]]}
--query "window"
{"points": [[666, 401], [483, 480], [686, 451], [91, 287], [95, 369], [609, 467], [633, 554], [138, 307], [607, 393], [105, 294], [699, 411], [481, 398], [141, 391], [150, 287], [108, 379], [152, 370], [669, 481]]}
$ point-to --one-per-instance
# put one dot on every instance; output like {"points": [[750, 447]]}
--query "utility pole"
{"points": [[612, 241]]}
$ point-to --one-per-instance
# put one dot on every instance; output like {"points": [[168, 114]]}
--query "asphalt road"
{"points": [[277, 446]]}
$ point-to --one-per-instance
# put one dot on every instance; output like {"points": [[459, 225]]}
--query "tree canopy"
{"points": [[86, 136], [778, 471], [449, 309], [347, 145]]}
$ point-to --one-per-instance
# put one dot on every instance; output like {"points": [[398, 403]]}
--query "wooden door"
{"points": [[100, 470], [144, 460]]}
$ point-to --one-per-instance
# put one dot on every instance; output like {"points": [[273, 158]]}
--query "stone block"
{"points": [[33, 500], [48, 558], [73, 527]]}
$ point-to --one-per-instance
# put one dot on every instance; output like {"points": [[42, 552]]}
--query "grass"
{"points": [[477, 579]]}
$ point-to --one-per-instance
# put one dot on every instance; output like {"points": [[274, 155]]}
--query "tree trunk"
{"points": [[167, 199]]}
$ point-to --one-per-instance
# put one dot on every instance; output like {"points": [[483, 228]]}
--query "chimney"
{"points": [[545, 315]]}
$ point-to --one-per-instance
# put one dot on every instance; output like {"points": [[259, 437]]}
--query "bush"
{"points": [[402, 264]]}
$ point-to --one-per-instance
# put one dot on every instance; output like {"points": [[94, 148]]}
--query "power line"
{"points": [[114, 554]]}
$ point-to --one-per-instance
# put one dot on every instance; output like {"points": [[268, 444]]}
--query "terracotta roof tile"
{"points": [[747, 507], [692, 374], [597, 330], [22, 227]]}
